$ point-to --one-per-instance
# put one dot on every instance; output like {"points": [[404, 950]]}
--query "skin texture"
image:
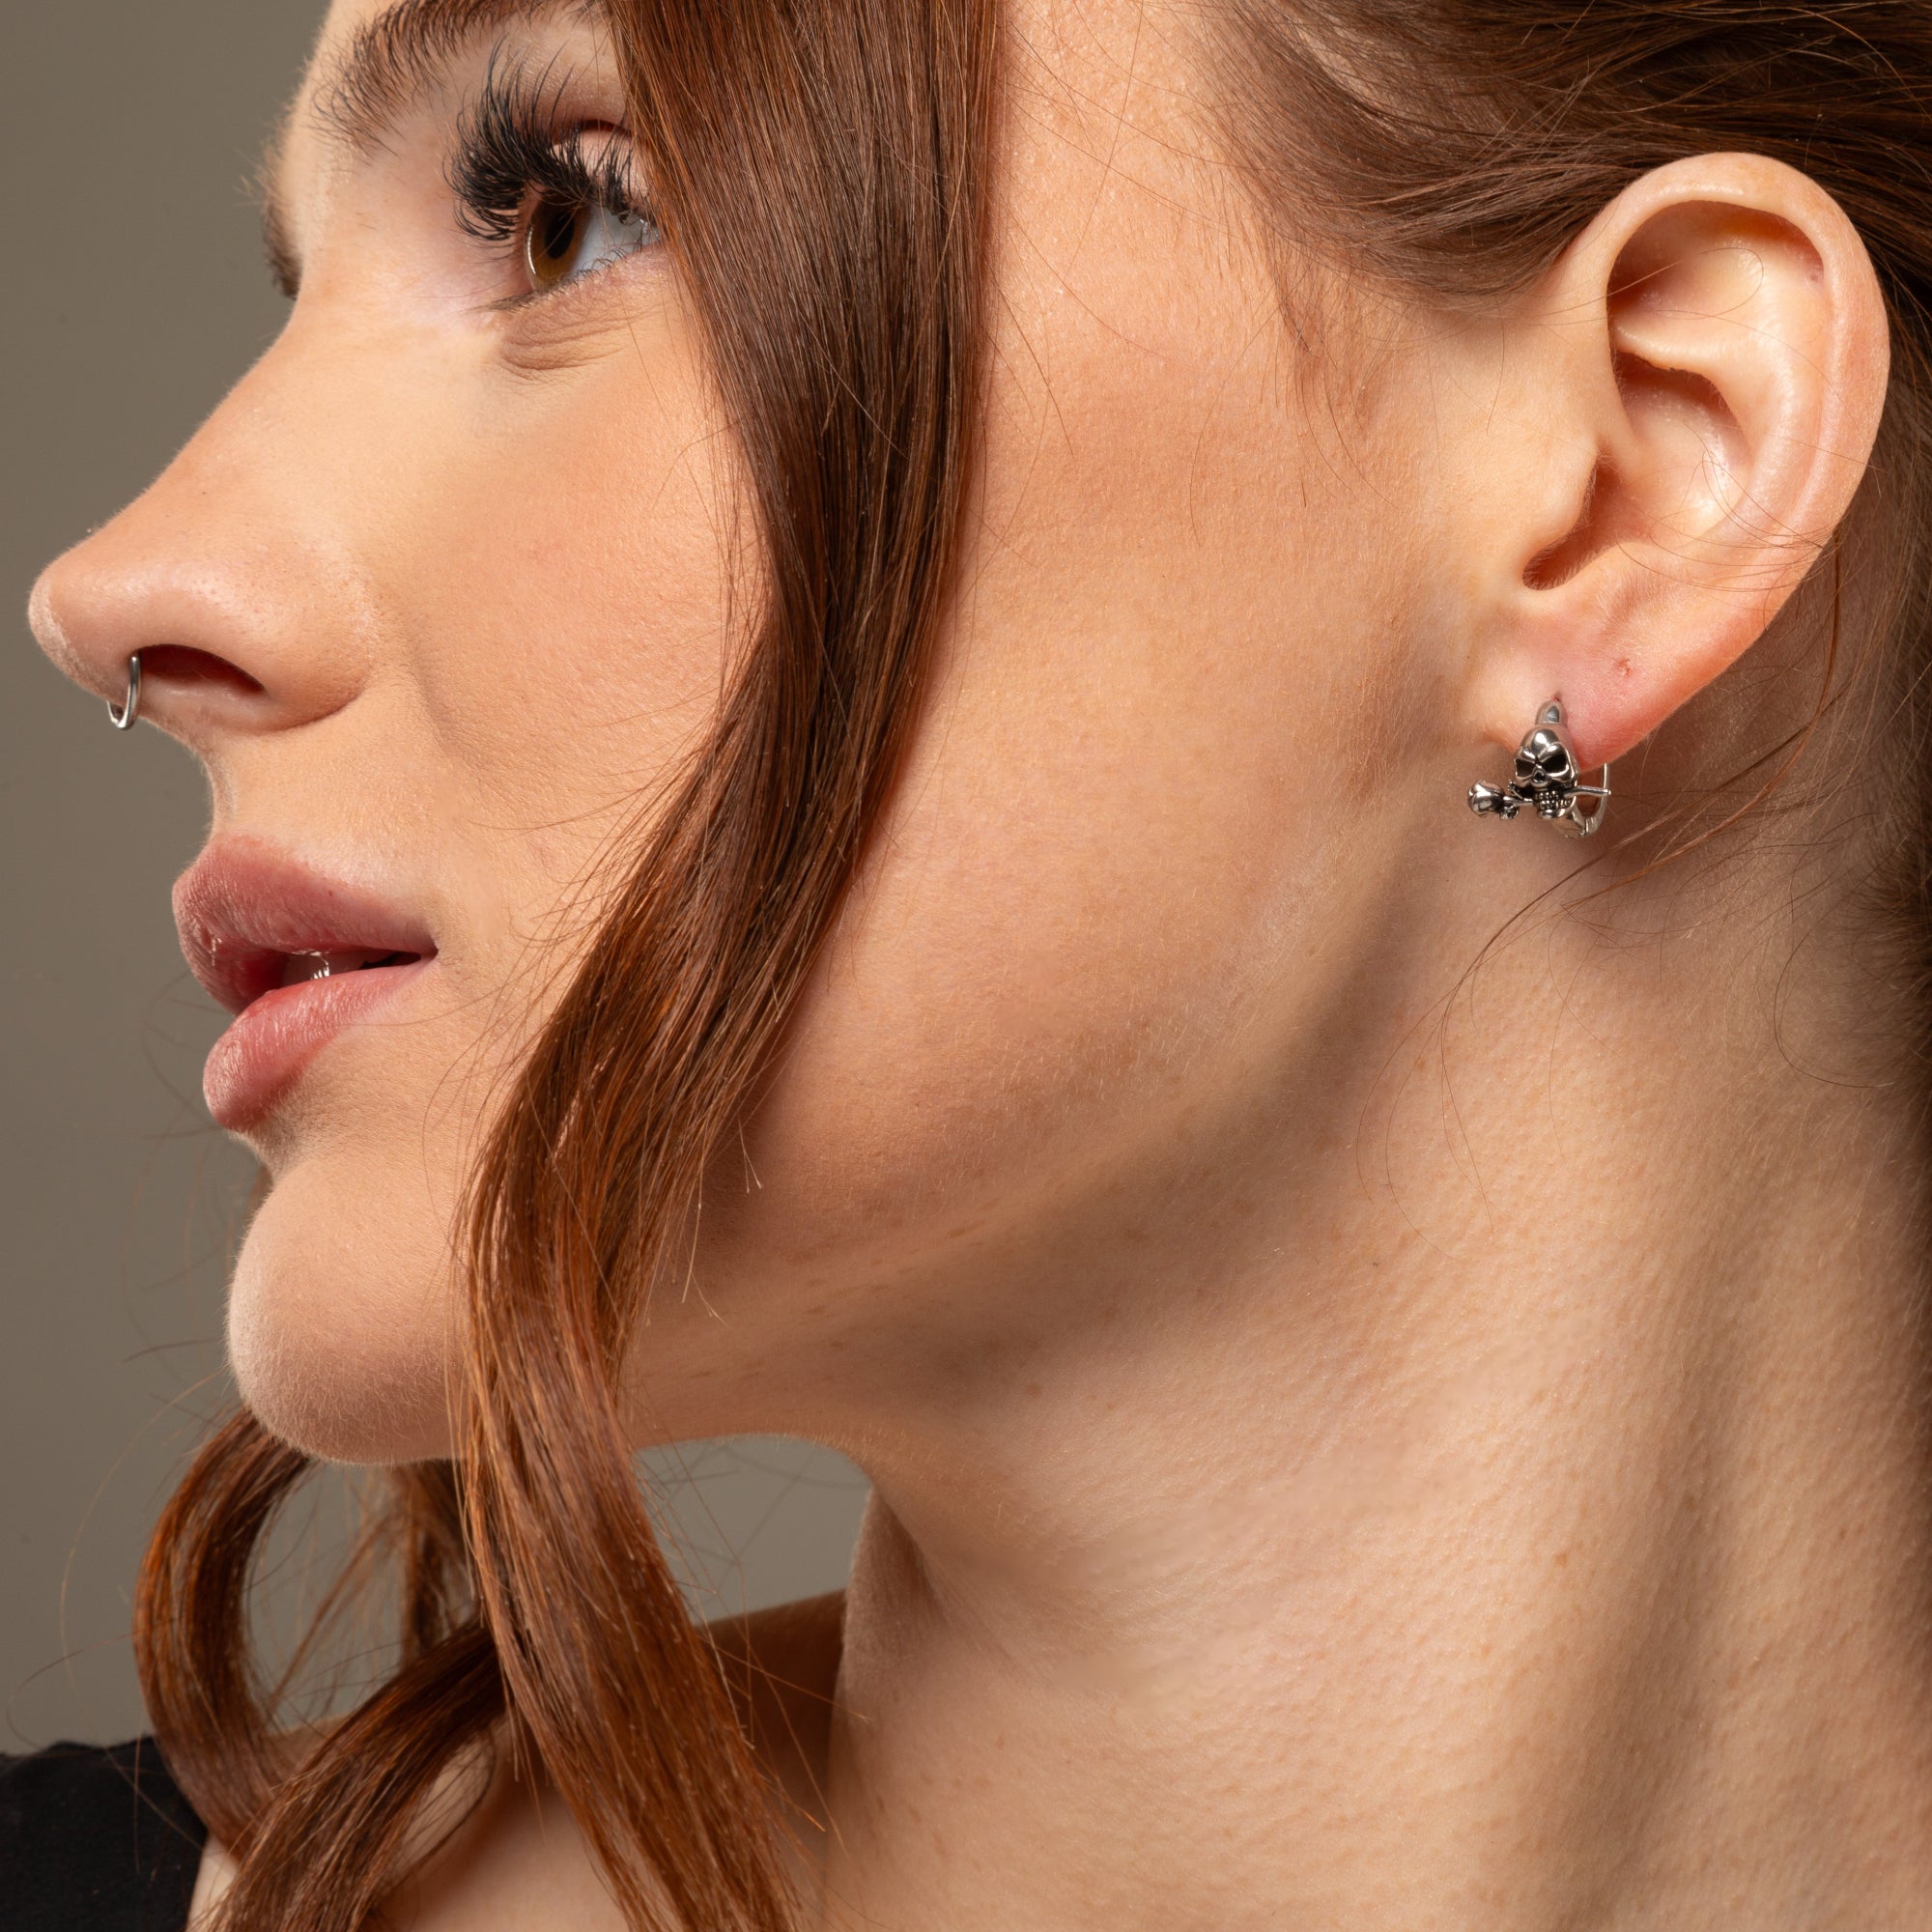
{"points": [[1357, 1441]]}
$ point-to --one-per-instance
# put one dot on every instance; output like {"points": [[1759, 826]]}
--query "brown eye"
{"points": [[566, 239], [555, 239]]}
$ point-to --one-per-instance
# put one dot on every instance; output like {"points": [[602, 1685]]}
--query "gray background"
{"points": [[134, 293]]}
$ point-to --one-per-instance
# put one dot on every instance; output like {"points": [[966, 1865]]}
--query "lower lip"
{"points": [[273, 1039]]}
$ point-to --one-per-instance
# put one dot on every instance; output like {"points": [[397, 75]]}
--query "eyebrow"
{"points": [[390, 62], [393, 59]]}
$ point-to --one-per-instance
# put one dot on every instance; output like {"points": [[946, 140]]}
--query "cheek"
{"points": [[1097, 924], [1058, 933], [1117, 895], [571, 622]]}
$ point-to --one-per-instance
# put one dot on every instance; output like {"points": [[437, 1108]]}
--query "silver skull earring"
{"points": [[1547, 780]]}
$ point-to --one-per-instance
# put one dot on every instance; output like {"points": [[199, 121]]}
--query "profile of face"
{"points": [[446, 594]]}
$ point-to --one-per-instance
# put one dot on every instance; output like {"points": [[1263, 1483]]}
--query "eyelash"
{"points": [[515, 155]]}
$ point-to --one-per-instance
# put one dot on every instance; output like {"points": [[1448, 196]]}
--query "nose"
{"points": [[223, 576]]}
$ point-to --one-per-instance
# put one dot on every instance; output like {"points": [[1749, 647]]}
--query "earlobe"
{"points": [[1716, 345]]}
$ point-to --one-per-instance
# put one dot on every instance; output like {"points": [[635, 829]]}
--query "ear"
{"points": [[1689, 417]]}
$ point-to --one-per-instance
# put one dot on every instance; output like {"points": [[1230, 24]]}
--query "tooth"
{"points": [[299, 968]]}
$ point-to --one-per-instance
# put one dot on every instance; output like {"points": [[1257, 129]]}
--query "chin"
{"points": [[341, 1323]]}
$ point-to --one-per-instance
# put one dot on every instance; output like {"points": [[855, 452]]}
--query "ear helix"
{"points": [[1547, 780]]}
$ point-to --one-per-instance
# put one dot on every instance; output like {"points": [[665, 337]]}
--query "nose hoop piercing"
{"points": [[1545, 779], [123, 719]]}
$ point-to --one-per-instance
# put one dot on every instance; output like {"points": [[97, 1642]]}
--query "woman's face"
{"points": [[442, 593]]}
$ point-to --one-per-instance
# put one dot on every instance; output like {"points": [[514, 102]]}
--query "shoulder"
{"points": [[96, 1840]]}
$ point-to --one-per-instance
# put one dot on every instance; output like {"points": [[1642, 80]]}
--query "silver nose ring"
{"points": [[123, 718]]}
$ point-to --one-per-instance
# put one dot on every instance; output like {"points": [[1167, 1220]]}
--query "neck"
{"points": [[1516, 1522]]}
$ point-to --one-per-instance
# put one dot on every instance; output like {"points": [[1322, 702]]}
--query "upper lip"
{"points": [[244, 907]]}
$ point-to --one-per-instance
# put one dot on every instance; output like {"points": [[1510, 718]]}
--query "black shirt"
{"points": [[95, 1841]]}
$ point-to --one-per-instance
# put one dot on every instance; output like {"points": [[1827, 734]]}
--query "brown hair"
{"points": [[823, 173]]}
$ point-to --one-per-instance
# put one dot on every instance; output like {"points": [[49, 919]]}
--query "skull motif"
{"points": [[1545, 777], [1545, 774]]}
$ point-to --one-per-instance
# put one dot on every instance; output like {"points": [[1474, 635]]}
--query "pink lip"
{"points": [[241, 910]]}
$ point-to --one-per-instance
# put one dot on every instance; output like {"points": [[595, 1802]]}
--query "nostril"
{"points": [[183, 663]]}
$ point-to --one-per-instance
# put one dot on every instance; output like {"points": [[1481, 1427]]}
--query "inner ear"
{"points": [[1683, 459], [1691, 292], [1676, 261]]}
